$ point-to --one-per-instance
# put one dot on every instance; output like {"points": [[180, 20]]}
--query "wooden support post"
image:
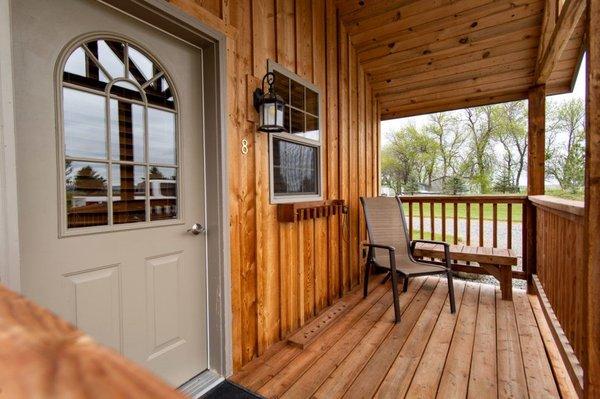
{"points": [[535, 173], [536, 137], [592, 205]]}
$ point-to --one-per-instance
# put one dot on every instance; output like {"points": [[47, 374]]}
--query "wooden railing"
{"points": [[560, 275], [478, 220], [43, 356]]}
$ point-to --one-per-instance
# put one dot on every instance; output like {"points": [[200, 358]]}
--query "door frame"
{"points": [[170, 19]]}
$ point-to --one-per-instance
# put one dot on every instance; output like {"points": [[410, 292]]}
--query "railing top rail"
{"points": [[560, 204], [498, 199]]}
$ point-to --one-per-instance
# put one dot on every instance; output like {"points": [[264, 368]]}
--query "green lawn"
{"points": [[517, 211]]}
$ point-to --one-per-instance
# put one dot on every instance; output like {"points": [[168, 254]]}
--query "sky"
{"points": [[396, 124]]}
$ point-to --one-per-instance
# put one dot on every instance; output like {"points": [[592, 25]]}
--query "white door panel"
{"points": [[139, 288]]}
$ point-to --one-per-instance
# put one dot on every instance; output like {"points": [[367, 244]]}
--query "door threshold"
{"points": [[200, 384]]}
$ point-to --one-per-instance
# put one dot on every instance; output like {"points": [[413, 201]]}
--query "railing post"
{"points": [[529, 225], [592, 205]]}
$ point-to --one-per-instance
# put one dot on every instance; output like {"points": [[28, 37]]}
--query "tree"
{"points": [[481, 127], [505, 182], [408, 159], [445, 128], [511, 132], [566, 161], [89, 181], [454, 185], [156, 174]]}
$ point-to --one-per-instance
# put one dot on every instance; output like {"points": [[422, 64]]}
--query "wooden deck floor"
{"points": [[489, 348]]}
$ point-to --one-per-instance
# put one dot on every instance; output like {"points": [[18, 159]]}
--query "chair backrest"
{"points": [[386, 225]]}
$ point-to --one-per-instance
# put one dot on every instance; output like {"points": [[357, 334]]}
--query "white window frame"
{"points": [[286, 199]]}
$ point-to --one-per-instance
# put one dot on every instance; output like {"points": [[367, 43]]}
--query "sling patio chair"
{"points": [[390, 248]]}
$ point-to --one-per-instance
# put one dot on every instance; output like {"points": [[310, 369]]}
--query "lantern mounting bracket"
{"points": [[259, 93]]}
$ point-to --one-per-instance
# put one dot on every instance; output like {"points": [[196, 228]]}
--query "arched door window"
{"points": [[119, 137]]}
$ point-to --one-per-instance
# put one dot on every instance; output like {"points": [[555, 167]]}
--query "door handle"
{"points": [[196, 229]]}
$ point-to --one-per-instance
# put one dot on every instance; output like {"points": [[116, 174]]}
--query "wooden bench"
{"points": [[495, 261]]}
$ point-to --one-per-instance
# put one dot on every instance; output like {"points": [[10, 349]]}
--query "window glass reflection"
{"points": [[312, 128], [142, 160], [86, 194], [111, 56], [126, 131], [161, 137], [163, 193], [140, 67], [84, 124], [297, 122], [76, 63], [294, 168], [312, 102], [129, 193], [297, 95], [282, 86]]}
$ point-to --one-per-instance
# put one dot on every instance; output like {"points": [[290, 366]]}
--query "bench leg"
{"points": [[503, 274], [506, 282]]}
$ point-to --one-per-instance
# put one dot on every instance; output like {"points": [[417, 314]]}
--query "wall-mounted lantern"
{"points": [[270, 107]]}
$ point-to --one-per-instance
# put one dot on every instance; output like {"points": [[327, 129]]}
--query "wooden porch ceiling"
{"points": [[426, 56]]}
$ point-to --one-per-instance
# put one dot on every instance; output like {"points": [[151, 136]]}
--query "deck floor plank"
{"points": [[482, 381], [489, 348], [511, 373], [261, 369], [563, 380], [396, 382], [427, 376], [367, 382], [540, 381], [455, 378], [337, 382], [309, 382], [291, 371]]}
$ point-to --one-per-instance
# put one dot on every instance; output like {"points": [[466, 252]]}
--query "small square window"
{"points": [[295, 154]]}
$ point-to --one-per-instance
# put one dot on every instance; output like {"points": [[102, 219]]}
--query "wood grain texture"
{"points": [[560, 268], [448, 50], [592, 205], [536, 139], [488, 348], [284, 274], [43, 356], [566, 23]]}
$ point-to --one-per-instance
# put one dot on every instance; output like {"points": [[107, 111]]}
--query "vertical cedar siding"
{"points": [[283, 274]]}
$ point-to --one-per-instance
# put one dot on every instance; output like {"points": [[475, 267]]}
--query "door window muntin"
{"points": [[155, 95]]}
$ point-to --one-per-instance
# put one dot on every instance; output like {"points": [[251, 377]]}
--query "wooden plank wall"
{"points": [[283, 274], [560, 264]]}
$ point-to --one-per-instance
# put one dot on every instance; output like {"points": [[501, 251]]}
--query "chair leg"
{"points": [[451, 292], [386, 278], [405, 284], [396, 295], [367, 272]]}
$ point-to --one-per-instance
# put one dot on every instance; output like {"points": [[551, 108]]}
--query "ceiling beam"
{"points": [[548, 25], [567, 21]]}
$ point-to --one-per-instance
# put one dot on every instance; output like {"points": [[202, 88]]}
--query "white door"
{"points": [[110, 171]]}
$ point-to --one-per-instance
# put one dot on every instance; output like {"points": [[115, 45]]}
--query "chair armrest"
{"points": [[391, 251], [413, 244], [388, 247]]}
